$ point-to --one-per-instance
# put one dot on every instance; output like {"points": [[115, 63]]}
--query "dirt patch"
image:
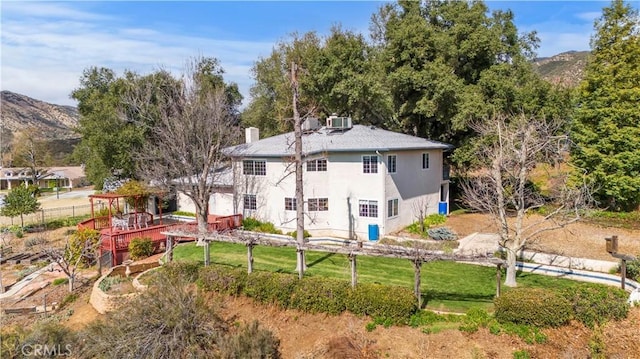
{"points": [[581, 240]]}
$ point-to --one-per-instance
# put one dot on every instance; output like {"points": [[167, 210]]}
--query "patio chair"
{"points": [[143, 220], [131, 221]]}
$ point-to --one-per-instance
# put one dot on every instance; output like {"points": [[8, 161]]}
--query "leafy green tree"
{"points": [[20, 201], [607, 119], [449, 64]]}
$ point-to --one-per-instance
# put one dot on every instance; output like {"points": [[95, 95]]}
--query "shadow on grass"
{"points": [[321, 259]]}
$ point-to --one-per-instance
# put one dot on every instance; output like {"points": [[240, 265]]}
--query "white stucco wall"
{"points": [[344, 184]]}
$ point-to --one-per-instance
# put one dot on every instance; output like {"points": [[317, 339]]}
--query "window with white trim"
{"points": [[290, 204], [250, 201], [368, 208], [425, 161], [318, 204], [392, 207], [369, 164], [317, 165], [392, 163], [254, 167]]}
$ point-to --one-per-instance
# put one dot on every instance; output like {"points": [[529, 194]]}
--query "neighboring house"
{"points": [[359, 181], [51, 177]]}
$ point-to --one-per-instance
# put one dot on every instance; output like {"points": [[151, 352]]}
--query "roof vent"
{"points": [[335, 122], [310, 124]]}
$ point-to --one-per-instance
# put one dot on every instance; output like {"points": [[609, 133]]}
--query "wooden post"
{"points": [[498, 279], [45, 304], [207, 257], [417, 265], [169, 249], [623, 273], [354, 273], [249, 258]]}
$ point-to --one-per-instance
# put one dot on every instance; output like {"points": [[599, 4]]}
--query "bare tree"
{"points": [[508, 151], [73, 256], [297, 126], [193, 126]]}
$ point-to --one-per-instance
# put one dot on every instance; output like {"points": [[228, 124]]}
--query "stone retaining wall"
{"points": [[103, 302]]}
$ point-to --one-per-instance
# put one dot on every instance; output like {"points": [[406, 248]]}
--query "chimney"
{"points": [[252, 134]]}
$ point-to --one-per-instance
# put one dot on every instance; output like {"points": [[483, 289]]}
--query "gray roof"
{"points": [[357, 139]]}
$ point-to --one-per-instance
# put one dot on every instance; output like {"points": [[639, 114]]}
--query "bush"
{"points": [[596, 304], [140, 248], [442, 234], [633, 269], [109, 282], [252, 224], [320, 295], [270, 288], [294, 234], [187, 270], [251, 341], [533, 306], [380, 301], [34, 241], [78, 243], [59, 281], [429, 221], [222, 279]]}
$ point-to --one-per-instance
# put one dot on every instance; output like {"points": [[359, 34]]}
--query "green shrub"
{"points": [[78, 244], [270, 288], [429, 221], [476, 318], [109, 282], [427, 317], [533, 306], [596, 304], [376, 300], [184, 213], [140, 248], [294, 234], [222, 279], [59, 281], [268, 227], [320, 295], [633, 269], [521, 354], [188, 270], [250, 224]]}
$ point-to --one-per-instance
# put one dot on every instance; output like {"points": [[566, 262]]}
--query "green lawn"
{"points": [[446, 286]]}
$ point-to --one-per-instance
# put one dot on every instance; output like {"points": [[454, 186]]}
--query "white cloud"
{"points": [[589, 16], [43, 57]]}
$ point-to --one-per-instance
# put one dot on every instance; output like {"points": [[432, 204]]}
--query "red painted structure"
{"points": [[115, 240]]}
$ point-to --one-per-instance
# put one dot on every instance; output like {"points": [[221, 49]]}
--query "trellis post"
{"points": [[498, 278], [207, 257], [249, 258], [354, 272]]}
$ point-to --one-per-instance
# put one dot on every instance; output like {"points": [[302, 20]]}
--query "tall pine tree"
{"points": [[607, 121]]}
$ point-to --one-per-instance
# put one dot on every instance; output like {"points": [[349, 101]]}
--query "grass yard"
{"points": [[446, 286]]}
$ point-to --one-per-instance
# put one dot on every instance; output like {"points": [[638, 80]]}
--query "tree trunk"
{"points": [[21, 221], [510, 278], [169, 250], [417, 266], [297, 126], [72, 279]]}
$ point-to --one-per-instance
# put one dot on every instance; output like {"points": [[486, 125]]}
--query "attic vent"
{"points": [[335, 122], [310, 124]]}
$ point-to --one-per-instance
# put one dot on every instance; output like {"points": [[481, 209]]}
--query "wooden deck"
{"points": [[116, 240]]}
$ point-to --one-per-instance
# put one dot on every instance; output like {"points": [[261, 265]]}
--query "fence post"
{"points": [[42, 211], [73, 211]]}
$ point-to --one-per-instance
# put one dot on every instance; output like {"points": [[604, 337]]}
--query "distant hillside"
{"points": [[20, 112], [565, 69]]}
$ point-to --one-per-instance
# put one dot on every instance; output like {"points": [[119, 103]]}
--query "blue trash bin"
{"points": [[374, 232], [443, 208]]}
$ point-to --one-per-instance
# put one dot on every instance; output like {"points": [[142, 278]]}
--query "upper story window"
{"points": [[250, 201], [290, 204], [317, 165], [368, 208], [253, 167], [392, 163], [318, 204], [369, 164], [425, 161]]}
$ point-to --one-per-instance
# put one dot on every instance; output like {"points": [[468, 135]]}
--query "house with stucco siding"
{"points": [[360, 182]]}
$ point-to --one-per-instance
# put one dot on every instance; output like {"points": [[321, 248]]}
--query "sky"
{"points": [[46, 45]]}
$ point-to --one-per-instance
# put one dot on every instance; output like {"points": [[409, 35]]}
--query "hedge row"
{"points": [[311, 294], [589, 304]]}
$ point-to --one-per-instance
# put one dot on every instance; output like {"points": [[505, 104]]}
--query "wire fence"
{"points": [[42, 216]]}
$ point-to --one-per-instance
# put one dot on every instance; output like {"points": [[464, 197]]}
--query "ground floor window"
{"points": [[368, 208], [392, 207], [318, 204], [250, 201], [289, 204]]}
